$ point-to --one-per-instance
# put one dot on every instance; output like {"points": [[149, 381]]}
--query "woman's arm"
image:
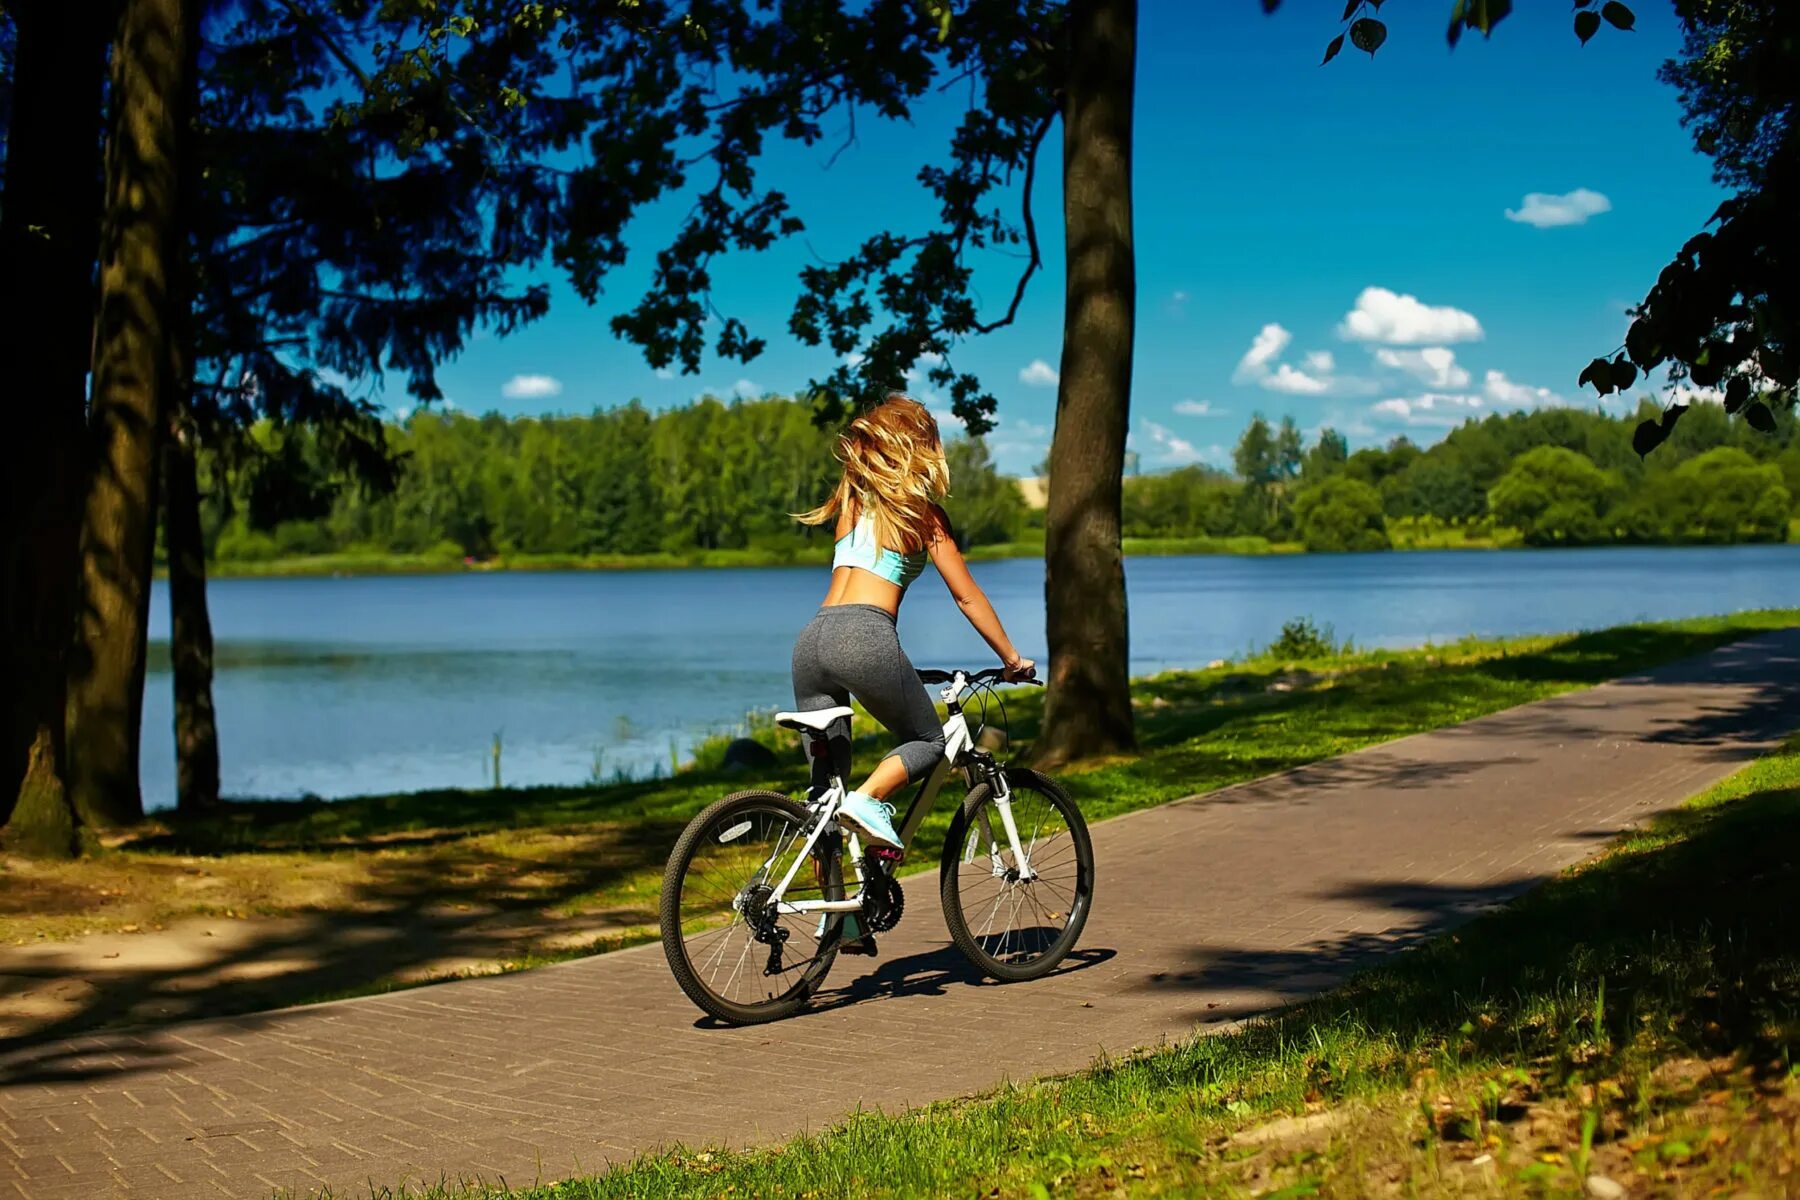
{"points": [[972, 600]]}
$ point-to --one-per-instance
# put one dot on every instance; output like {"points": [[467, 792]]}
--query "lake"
{"points": [[339, 687]]}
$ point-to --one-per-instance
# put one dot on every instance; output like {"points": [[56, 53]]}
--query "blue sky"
{"points": [[1328, 242]]}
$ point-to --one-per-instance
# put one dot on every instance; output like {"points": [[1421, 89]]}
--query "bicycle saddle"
{"points": [[816, 720]]}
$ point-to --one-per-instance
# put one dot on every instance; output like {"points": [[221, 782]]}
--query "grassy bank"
{"points": [[1628, 1028], [312, 899], [444, 564]]}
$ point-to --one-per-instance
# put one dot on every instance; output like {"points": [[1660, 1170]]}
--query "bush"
{"points": [[1554, 497], [1300, 638]]}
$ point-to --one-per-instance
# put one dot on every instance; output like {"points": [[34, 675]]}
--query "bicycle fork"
{"points": [[1021, 871]]}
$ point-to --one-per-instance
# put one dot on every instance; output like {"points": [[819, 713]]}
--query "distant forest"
{"points": [[716, 476]]}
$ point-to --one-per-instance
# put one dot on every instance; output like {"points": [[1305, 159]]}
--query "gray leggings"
{"points": [[854, 650]]}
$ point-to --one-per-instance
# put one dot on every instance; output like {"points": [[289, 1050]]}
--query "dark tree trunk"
{"points": [[190, 634], [1088, 709], [139, 253], [49, 236]]}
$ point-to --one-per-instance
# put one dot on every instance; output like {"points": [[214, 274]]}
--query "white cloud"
{"points": [[1268, 343], [1038, 374], [1504, 392], [1320, 361], [531, 387], [1434, 366], [664, 372], [1384, 316], [1545, 210], [1441, 409], [1174, 450], [1295, 382], [1179, 297], [747, 389], [1197, 408]]}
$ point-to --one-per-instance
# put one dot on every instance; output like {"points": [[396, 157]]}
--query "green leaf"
{"points": [[1038, 1191], [1623, 373], [1367, 34], [1332, 48], [1618, 16], [1587, 24], [1457, 20], [1351, 8], [1760, 418]]}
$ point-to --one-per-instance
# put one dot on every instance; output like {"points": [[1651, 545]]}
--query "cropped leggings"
{"points": [[854, 650]]}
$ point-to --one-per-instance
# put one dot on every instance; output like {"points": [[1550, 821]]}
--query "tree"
{"points": [[48, 239], [1724, 495], [1326, 458], [1554, 497], [1088, 708], [1341, 514], [134, 376], [984, 506]]}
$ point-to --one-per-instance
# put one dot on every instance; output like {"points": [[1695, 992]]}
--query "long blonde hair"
{"points": [[894, 471]]}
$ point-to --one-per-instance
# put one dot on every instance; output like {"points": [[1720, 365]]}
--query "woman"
{"points": [[888, 522]]}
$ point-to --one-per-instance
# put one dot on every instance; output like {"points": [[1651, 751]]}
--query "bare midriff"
{"points": [[850, 585]]}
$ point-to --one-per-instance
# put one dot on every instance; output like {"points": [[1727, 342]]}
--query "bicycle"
{"points": [[754, 899]]}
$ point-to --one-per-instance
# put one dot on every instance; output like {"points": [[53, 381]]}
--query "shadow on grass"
{"points": [[1683, 939]]}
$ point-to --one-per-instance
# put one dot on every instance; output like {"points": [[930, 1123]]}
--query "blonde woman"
{"points": [[888, 523]]}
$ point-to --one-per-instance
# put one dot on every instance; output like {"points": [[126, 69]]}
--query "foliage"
{"points": [[709, 476], [1554, 497], [1448, 485], [1300, 638], [1341, 513]]}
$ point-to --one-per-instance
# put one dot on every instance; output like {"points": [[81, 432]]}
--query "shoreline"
{"points": [[355, 565]]}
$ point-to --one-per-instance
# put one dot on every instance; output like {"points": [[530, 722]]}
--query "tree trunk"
{"points": [[1088, 708], [140, 250], [190, 635], [49, 238]]}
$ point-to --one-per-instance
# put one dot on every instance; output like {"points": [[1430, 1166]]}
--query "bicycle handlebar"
{"points": [[991, 675]]}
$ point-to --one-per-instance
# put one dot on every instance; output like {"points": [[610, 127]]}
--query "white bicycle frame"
{"points": [[957, 743]]}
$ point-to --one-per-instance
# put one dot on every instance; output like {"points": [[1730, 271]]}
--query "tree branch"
{"points": [[1031, 238]]}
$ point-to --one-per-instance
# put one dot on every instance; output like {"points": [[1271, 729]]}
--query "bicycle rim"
{"points": [[731, 953], [1011, 927]]}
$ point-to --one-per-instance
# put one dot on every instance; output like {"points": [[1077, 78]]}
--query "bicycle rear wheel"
{"points": [[1010, 927], [734, 956]]}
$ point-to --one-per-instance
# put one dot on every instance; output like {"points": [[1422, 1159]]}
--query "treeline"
{"points": [[622, 482], [1560, 476], [716, 476]]}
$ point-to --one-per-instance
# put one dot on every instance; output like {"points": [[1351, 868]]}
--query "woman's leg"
{"points": [[889, 688], [814, 688]]}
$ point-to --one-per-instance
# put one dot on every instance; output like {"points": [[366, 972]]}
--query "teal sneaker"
{"points": [[873, 819]]}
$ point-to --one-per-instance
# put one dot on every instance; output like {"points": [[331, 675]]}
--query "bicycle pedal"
{"points": [[862, 945]]}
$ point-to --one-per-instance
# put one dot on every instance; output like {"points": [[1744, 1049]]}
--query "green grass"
{"points": [[1541, 1037]]}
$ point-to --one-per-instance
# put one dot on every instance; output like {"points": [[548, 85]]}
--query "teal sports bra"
{"points": [[858, 548]]}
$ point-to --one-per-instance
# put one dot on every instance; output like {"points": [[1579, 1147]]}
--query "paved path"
{"points": [[1206, 910]]}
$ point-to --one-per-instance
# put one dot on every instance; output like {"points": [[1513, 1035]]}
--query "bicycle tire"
{"points": [[1070, 898], [723, 815]]}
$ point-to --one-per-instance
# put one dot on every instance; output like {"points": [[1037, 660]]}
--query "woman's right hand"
{"points": [[1020, 670]]}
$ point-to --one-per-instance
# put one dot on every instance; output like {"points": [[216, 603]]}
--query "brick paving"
{"points": [[1206, 910]]}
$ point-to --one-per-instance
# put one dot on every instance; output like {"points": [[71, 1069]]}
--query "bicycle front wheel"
{"points": [[729, 948], [1017, 921]]}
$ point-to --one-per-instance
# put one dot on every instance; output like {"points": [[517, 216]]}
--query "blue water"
{"points": [[335, 687]]}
